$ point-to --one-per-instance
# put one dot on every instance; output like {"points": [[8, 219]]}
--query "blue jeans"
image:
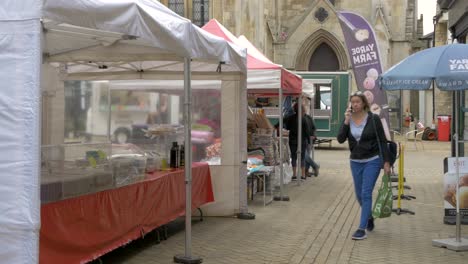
{"points": [[309, 162], [293, 149], [365, 175]]}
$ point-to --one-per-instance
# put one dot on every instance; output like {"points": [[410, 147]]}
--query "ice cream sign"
{"points": [[462, 165], [458, 65], [451, 180]]}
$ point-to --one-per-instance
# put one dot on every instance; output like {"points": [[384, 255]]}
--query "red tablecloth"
{"points": [[81, 229]]}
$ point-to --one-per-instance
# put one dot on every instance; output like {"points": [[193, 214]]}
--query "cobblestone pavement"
{"points": [[316, 225]]}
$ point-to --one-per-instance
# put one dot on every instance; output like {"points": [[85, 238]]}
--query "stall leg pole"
{"points": [[244, 213], [281, 196], [458, 243], [109, 115], [188, 258]]}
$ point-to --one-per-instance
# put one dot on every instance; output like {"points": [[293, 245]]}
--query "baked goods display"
{"points": [[450, 193]]}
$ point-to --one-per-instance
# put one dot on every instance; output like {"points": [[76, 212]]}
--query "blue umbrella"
{"points": [[448, 67]]}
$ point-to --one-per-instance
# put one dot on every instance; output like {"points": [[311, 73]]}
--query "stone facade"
{"points": [[288, 31], [443, 102], [293, 31], [281, 28]]}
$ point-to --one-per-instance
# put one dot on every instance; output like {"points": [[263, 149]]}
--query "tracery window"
{"points": [[177, 6], [200, 12]]}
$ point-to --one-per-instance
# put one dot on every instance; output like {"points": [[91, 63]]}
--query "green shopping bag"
{"points": [[384, 202]]}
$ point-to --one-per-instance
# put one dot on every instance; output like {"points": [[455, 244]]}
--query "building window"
{"points": [[200, 15], [177, 6]]}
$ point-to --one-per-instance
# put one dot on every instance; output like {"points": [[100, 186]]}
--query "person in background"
{"points": [[161, 116], [290, 123], [368, 153], [309, 162]]}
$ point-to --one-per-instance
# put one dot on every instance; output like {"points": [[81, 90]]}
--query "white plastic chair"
{"points": [[415, 136]]}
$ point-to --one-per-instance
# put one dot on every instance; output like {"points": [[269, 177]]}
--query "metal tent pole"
{"points": [[188, 258], [109, 114], [457, 170], [299, 140], [244, 213], [281, 197]]}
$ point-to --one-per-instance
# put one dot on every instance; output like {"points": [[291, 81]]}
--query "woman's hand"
{"points": [[386, 168], [347, 115]]}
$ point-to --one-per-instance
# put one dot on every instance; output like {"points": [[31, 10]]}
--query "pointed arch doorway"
{"points": [[324, 59], [321, 51]]}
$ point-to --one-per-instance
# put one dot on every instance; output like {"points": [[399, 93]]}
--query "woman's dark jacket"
{"points": [[367, 146], [290, 123]]}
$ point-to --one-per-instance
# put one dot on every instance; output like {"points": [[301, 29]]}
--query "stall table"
{"points": [[81, 229], [263, 175]]}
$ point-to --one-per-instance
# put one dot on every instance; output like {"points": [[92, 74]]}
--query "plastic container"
{"points": [[128, 164], [443, 127], [70, 170]]}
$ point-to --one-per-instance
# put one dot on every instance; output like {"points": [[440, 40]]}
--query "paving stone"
{"points": [[317, 224]]}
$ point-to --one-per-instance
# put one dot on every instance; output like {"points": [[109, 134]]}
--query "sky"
{"points": [[428, 9]]}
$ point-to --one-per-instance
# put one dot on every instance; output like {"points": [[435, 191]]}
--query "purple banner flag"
{"points": [[364, 55]]}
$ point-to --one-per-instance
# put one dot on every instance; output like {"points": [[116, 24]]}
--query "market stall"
{"points": [[264, 78], [79, 229], [97, 40]]}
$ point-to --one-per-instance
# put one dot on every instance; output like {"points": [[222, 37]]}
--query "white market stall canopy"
{"points": [[85, 39], [135, 39]]}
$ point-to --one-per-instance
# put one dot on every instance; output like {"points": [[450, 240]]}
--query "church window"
{"points": [[177, 6], [321, 14], [200, 12]]}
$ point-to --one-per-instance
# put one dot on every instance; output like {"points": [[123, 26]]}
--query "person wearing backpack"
{"points": [[364, 133]]}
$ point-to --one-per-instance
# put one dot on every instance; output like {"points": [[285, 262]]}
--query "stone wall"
{"points": [[443, 101], [279, 27]]}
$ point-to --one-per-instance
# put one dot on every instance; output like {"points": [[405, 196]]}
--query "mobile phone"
{"points": [[350, 107]]}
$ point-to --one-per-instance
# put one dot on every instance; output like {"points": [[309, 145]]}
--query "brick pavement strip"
{"points": [[316, 225], [333, 224]]}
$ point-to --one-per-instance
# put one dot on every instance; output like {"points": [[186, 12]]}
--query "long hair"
{"points": [[295, 107], [363, 97]]}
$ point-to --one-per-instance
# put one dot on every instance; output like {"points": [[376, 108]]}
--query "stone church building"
{"points": [[305, 35]]}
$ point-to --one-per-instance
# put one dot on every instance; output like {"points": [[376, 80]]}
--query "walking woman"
{"points": [[364, 132]]}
